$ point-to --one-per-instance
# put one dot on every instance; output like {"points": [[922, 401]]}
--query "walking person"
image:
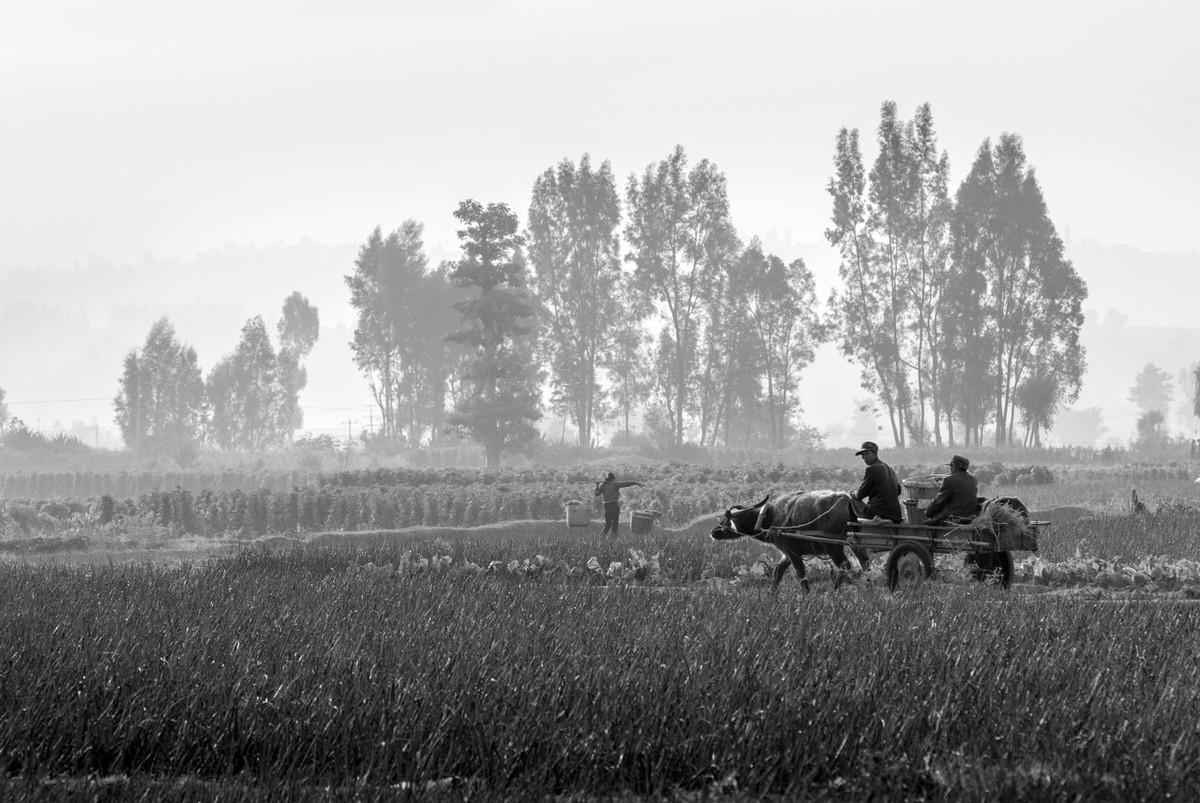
{"points": [[610, 490], [880, 486]]}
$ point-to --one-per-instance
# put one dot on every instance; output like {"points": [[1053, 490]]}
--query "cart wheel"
{"points": [[985, 565], [979, 564], [909, 565]]}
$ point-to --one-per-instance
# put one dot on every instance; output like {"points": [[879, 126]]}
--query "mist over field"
{"points": [[202, 165]]}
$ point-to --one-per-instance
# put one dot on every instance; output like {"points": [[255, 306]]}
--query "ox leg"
{"points": [[780, 570], [799, 566], [842, 565], [864, 558]]}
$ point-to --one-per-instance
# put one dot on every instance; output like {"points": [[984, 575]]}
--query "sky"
{"points": [[167, 128]]}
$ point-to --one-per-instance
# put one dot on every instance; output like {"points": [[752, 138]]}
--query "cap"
{"points": [[868, 446], [958, 461]]}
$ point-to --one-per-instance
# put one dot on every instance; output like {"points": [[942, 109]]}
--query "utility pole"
{"points": [[349, 437]]}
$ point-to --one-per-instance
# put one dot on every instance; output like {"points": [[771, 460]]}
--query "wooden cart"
{"points": [[912, 547]]}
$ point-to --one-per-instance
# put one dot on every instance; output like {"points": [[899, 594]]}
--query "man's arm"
{"points": [[627, 484], [939, 501]]}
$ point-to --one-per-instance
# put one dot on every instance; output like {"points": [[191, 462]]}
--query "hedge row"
{"points": [[88, 484]]}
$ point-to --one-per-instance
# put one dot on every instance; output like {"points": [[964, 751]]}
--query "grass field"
{"points": [[264, 671], [529, 660]]}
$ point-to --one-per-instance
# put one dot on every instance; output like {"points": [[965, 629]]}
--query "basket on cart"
{"points": [[913, 512], [922, 488], [918, 493]]}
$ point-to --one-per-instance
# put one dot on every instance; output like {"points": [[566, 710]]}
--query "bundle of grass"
{"points": [[1008, 524]]}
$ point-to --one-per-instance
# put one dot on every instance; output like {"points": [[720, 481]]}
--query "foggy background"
{"points": [[203, 161]]}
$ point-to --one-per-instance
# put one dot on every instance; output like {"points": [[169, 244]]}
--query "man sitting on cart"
{"points": [[880, 486], [958, 500]]}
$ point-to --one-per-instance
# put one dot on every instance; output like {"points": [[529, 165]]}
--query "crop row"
{"points": [[313, 509], [1150, 574], [89, 484], [125, 484], [289, 669]]}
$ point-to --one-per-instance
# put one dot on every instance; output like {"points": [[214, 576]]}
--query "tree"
{"points": [[967, 343], [1196, 394], [787, 329], [731, 365], [298, 330], [681, 236], [3, 411], [1038, 398], [1150, 431], [928, 269], [626, 363], [248, 394], [500, 402], [891, 228], [160, 400], [382, 287], [863, 307], [574, 251], [1028, 297], [405, 312], [1152, 389], [299, 326], [890, 189]]}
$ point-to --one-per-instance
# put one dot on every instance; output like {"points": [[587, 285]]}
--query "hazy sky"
{"points": [[134, 127], [173, 127]]}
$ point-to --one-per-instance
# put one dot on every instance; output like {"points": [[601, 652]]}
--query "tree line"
{"points": [[961, 311], [249, 400]]}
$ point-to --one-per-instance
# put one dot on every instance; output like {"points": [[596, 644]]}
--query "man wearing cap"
{"points": [[958, 500], [880, 486], [610, 490]]}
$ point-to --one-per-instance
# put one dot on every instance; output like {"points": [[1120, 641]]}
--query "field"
{"points": [[523, 659]]}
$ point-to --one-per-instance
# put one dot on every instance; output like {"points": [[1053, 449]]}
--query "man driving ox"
{"points": [[880, 486], [958, 500]]}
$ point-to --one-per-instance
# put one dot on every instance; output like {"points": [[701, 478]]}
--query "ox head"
{"points": [[738, 522]]}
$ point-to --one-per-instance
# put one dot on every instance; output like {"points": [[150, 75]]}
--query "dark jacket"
{"points": [[611, 490], [883, 489], [959, 497]]}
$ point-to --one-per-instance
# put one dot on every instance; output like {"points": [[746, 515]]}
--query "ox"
{"points": [[826, 511]]}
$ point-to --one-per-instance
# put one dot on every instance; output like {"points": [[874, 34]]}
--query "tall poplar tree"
{"points": [[788, 329], [862, 307], [679, 228], [1028, 299], [574, 250], [404, 313], [247, 395]]}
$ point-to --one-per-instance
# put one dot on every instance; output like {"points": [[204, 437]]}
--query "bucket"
{"points": [[577, 514], [642, 521]]}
